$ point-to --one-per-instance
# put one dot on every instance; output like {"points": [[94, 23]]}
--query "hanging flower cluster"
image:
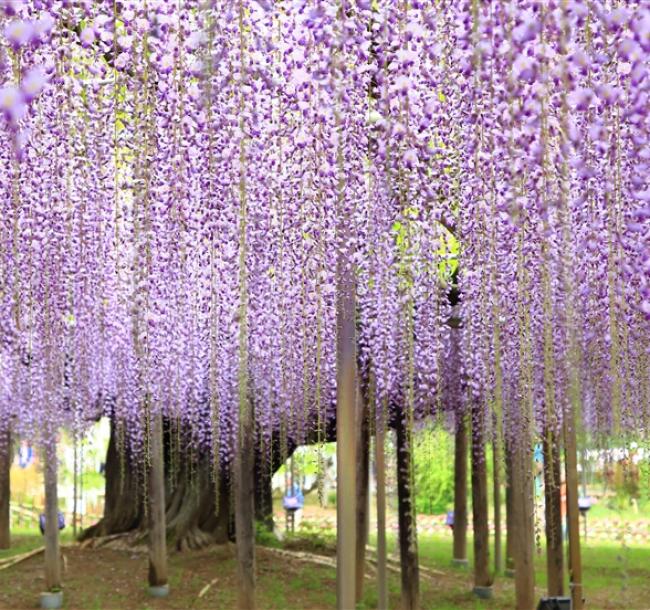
{"points": [[173, 174]]}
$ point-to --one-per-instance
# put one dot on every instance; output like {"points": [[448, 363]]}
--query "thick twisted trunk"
{"points": [[196, 515]]}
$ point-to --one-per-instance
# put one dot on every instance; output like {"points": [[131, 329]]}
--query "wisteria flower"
{"points": [[33, 83], [19, 33], [87, 36], [12, 104]]}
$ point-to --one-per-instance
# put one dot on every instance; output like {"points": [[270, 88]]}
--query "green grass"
{"points": [[615, 576], [25, 539]]}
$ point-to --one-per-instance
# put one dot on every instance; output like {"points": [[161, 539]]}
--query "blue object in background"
{"points": [[25, 456], [41, 522], [450, 519], [294, 499]]}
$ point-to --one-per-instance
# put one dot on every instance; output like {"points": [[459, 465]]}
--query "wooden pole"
{"points": [[482, 577], [573, 512], [553, 514], [346, 395], [6, 454], [522, 524], [380, 466], [408, 546], [496, 491], [75, 488], [156, 509], [510, 538], [52, 550], [460, 492], [363, 479], [244, 511]]}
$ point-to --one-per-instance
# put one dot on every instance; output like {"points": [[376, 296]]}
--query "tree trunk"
{"points": [[52, 550], [460, 492], [496, 489], [380, 467], [510, 538], [522, 524], [408, 545], [363, 475], [157, 525], [482, 577], [6, 455], [192, 519], [553, 513]]}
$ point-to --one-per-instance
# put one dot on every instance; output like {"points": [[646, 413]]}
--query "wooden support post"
{"points": [[52, 549], [553, 514], [6, 455], [460, 492], [380, 467], [75, 486], [245, 509], [573, 512], [482, 577], [496, 491], [408, 545], [156, 510], [510, 561], [522, 523], [363, 476], [346, 402]]}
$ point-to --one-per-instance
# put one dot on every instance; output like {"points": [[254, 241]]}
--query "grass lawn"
{"points": [[104, 579]]}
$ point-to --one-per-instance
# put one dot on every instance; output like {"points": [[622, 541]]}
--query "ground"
{"points": [[616, 577]]}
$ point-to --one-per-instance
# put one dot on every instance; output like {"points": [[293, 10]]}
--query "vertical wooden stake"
{"points": [[6, 455], [363, 476], [346, 397], [482, 577], [573, 513], [75, 489], [522, 523], [380, 465], [52, 550], [496, 489], [408, 545], [553, 514], [460, 492], [510, 537], [244, 511], [156, 510]]}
